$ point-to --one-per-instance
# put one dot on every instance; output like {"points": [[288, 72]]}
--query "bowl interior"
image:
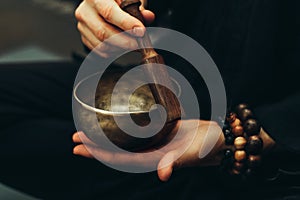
{"points": [[140, 101], [97, 102]]}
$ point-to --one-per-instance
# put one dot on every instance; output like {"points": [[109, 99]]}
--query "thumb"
{"points": [[166, 165]]}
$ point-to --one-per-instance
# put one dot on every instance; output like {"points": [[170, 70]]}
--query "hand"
{"points": [[204, 148], [100, 19]]}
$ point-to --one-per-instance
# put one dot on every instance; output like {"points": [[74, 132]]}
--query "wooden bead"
{"points": [[228, 153], [238, 166], [226, 127], [238, 131], [235, 123], [231, 117], [229, 140], [251, 127], [254, 161], [226, 132], [241, 107], [240, 155], [245, 114], [240, 142], [254, 145]]}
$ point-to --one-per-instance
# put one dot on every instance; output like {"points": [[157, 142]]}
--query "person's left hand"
{"points": [[204, 148]]}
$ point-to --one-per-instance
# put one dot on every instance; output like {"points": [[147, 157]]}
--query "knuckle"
{"points": [[78, 14], [101, 34]]}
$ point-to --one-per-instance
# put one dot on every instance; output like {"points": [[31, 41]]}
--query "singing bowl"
{"points": [[93, 110]]}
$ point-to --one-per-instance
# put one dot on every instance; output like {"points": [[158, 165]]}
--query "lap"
{"points": [[36, 147], [35, 91]]}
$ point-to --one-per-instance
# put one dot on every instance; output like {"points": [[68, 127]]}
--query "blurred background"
{"points": [[36, 31]]}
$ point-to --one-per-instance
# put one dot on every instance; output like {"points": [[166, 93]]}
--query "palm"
{"points": [[191, 143]]}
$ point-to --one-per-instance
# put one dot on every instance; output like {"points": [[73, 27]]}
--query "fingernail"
{"points": [[138, 31]]}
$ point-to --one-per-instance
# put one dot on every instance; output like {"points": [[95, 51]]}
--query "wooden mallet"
{"points": [[155, 73]]}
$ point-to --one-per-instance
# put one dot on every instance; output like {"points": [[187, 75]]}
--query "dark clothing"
{"points": [[255, 45]]}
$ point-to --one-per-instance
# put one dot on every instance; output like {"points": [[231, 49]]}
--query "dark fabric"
{"points": [[255, 45], [36, 147]]}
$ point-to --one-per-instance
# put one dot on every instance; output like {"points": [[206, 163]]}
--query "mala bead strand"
{"points": [[254, 145], [241, 107], [231, 117], [251, 127], [240, 142], [238, 130], [240, 155], [242, 131], [229, 140], [235, 123], [229, 137], [245, 114]]}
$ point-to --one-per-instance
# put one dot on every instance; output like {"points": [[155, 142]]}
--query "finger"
{"points": [[112, 13], [82, 151], [124, 158], [165, 166], [103, 30], [76, 138], [92, 42], [108, 49], [104, 49], [88, 34], [80, 137], [91, 47]]}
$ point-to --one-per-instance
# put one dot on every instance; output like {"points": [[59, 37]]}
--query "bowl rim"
{"points": [[107, 112]]}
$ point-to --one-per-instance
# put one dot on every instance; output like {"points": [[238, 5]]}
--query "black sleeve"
{"points": [[281, 121]]}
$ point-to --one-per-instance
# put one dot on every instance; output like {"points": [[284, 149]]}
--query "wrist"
{"points": [[244, 140]]}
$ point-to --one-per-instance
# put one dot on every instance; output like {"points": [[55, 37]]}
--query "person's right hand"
{"points": [[100, 19]]}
